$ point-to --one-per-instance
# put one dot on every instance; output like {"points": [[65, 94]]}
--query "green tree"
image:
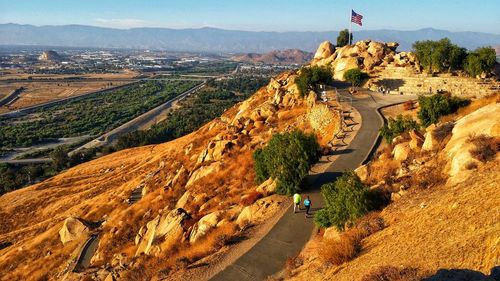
{"points": [[436, 56], [343, 38], [355, 76], [287, 159], [309, 77], [346, 200], [60, 158], [479, 61]]}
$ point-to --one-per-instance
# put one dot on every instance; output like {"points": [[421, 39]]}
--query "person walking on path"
{"points": [[296, 202], [307, 204]]}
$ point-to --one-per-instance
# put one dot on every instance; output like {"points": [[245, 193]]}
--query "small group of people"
{"points": [[296, 203]]}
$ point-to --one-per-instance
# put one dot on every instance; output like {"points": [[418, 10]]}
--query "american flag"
{"points": [[356, 18]]}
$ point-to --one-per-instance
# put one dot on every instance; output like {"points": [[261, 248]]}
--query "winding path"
{"points": [[292, 231]]}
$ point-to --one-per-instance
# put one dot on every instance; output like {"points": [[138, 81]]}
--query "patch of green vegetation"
{"points": [[479, 61], [435, 106], [395, 127], [346, 200], [287, 158], [92, 115], [355, 76], [343, 38], [309, 77]]}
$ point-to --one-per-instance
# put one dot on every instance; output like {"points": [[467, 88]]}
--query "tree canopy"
{"points": [[343, 38]]}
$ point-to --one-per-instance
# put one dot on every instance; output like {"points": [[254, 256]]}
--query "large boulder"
{"points": [[325, 50], [401, 151], [72, 229], [204, 225], [485, 120], [268, 187], [362, 172], [215, 150], [162, 232], [259, 210], [341, 65]]}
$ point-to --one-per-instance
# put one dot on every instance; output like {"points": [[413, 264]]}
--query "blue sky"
{"points": [[258, 15]]}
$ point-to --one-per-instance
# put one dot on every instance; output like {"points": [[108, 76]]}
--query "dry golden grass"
{"points": [[485, 147], [473, 106], [391, 273]]}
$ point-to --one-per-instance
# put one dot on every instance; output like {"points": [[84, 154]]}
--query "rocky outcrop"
{"points": [[161, 233], [362, 172], [203, 172], [267, 188], [431, 142], [482, 121], [401, 151], [325, 50], [416, 141], [365, 55], [73, 229], [204, 225], [255, 212], [215, 150]]}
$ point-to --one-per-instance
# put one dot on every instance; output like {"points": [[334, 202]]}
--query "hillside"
{"points": [[152, 212], [443, 219], [217, 40], [289, 56]]}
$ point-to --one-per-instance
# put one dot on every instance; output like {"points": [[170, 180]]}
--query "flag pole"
{"points": [[350, 27]]}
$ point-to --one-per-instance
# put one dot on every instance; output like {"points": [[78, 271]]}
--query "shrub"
{"points": [[479, 61], [355, 76], [311, 76], [346, 200], [343, 250], [485, 147], [395, 127], [287, 158], [390, 273], [435, 106]]}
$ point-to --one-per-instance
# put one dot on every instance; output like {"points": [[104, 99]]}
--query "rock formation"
{"points": [[72, 229]]}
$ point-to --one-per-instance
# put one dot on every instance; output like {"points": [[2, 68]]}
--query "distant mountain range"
{"points": [[216, 40], [288, 56]]}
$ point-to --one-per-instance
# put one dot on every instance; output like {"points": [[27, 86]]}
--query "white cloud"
{"points": [[121, 23]]}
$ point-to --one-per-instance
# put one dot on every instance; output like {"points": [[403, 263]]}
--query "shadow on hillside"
{"points": [[391, 84], [464, 275]]}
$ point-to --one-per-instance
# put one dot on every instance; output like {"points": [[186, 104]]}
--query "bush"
{"points": [[355, 76], [479, 61], [485, 147], [287, 158], [343, 38], [435, 106], [396, 127], [343, 250], [346, 200], [309, 77]]}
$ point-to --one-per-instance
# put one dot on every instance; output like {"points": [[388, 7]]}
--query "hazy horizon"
{"points": [[259, 15]]}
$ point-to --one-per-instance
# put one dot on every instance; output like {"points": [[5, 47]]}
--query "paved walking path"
{"points": [[292, 231]]}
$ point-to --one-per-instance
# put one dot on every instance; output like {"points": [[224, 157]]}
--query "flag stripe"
{"points": [[356, 18]]}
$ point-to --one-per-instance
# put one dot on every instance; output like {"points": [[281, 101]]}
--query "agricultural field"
{"points": [[88, 116]]}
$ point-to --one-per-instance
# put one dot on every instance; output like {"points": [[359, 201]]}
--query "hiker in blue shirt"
{"points": [[307, 204]]}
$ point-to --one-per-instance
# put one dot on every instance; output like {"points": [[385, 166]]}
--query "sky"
{"points": [[258, 15]]}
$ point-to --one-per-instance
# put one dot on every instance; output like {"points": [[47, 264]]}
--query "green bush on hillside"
{"points": [[479, 61], [435, 106], [355, 76], [395, 127], [309, 77], [287, 159], [346, 200]]}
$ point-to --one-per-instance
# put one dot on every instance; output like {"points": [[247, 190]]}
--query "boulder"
{"points": [[430, 143], [268, 187], [362, 172], [325, 50], [181, 203], [203, 172], [485, 120], [401, 151], [259, 210], [331, 234], [376, 50], [162, 232], [73, 229], [392, 46], [341, 65], [417, 140], [204, 225]]}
